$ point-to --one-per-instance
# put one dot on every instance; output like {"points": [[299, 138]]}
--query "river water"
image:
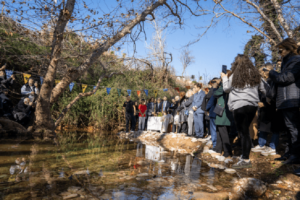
{"points": [[101, 166]]}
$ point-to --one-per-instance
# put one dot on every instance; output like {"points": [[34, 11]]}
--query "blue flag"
{"points": [[146, 92], [41, 80], [165, 90], [129, 92], [8, 73], [71, 86], [108, 90]]}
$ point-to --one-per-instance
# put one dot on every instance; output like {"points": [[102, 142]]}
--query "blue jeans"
{"points": [[262, 139], [198, 123], [213, 131]]}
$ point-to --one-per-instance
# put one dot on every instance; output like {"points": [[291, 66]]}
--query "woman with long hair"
{"points": [[243, 84]]}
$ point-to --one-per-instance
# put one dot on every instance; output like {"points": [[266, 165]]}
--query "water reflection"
{"points": [[100, 166]]}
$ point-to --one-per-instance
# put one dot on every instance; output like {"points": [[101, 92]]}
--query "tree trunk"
{"points": [[43, 114]]}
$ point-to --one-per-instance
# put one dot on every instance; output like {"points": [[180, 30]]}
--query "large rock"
{"points": [[250, 187]]}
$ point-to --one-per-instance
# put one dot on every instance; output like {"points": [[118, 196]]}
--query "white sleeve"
{"points": [[227, 83]]}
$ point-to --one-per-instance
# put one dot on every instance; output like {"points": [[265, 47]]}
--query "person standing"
{"points": [[243, 84], [182, 113], [142, 115], [212, 115], [158, 109], [223, 122], [29, 90], [269, 120], [150, 110], [198, 112], [129, 110], [174, 111], [288, 96], [165, 104], [188, 106]]}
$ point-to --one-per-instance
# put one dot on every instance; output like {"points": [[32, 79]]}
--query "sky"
{"points": [[217, 47]]}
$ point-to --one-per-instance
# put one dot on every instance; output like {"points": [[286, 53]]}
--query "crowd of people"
{"points": [[248, 102], [23, 111]]}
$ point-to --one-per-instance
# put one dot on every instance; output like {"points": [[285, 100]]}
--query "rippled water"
{"points": [[101, 166]]}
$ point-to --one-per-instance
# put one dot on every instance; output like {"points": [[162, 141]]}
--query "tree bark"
{"points": [[74, 74], [281, 19], [266, 18], [43, 114]]}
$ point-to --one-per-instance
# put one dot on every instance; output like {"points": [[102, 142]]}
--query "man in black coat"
{"points": [[158, 106], [288, 95]]}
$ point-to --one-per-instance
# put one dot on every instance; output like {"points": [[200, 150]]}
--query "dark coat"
{"points": [[206, 99], [150, 108], [6, 83], [158, 107], [222, 100], [269, 120], [181, 109], [167, 106], [288, 82], [21, 107], [211, 106], [174, 107]]}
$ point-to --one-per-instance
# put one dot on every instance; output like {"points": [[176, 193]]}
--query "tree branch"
{"points": [[250, 24], [281, 19], [80, 95], [266, 18]]}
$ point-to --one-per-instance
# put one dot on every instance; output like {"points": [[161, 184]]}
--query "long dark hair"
{"points": [[244, 73], [290, 45]]}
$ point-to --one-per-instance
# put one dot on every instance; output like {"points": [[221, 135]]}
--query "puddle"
{"points": [[101, 166]]}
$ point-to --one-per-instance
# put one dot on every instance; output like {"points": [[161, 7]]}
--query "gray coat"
{"points": [[238, 98], [287, 82]]}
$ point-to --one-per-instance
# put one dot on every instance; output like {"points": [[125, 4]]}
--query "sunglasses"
{"points": [[280, 51]]}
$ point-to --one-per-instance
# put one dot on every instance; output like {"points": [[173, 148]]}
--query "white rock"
{"points": [[143, 174], [230, 171]]}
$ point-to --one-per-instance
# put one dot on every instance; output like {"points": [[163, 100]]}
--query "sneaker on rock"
{"points": [[258, 148]]}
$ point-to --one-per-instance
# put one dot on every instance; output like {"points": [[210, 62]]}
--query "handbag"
{"points": [[271, 90], [219, 110]]}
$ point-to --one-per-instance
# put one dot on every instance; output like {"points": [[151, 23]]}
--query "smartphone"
{"points": [[224, 69], [265, 69]]}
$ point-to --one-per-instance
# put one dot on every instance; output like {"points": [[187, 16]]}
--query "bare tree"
{"points": [[186, 59], [102, 29], [157, 51]]}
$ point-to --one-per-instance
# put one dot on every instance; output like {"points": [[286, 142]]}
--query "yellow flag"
{"points": [[155, 93], [57, 82], [26, 77], [84, 86]]}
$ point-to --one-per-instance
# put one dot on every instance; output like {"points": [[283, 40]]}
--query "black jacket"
{"points": [[206, 99], [21, 107], [288, 82]]}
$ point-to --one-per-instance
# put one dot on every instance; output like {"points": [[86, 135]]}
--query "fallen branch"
{"points": [[80, 95]]}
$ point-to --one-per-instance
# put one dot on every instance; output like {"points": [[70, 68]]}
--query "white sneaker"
{"points": [[257, 148], [268, 152]]}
